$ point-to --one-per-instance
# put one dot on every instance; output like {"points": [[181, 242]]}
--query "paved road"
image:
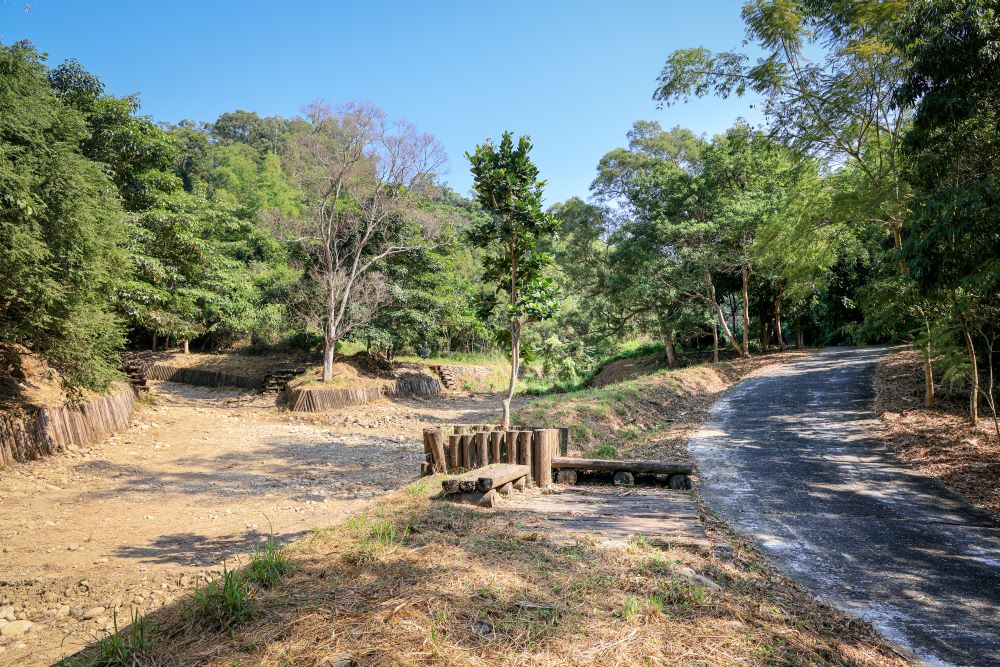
{"points": [[790, 459]]}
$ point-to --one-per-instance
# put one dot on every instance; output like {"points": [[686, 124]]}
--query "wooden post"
{"points": [[468, 452], [563, 442], [454, 452], [545, 442], [482, 449], [434, 440], [510, 440], [496, 442], [524, 448]]}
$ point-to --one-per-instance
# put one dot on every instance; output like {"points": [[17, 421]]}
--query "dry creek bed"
{"points": [[200, 477]]}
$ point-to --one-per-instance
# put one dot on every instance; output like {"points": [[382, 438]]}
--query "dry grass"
{"points": [[941, 442], [418, 581]]}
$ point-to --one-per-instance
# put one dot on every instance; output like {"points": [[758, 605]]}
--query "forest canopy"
{"points": [[864, 209]]}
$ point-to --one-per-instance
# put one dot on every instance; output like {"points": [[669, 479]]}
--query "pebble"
{"points": [[16, 628], [7, 613]]}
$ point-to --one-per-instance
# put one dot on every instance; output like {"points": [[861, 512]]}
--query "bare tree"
{"points": [[361, 174]]}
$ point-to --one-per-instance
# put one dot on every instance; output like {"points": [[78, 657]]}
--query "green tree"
{"points": [[507, 187], [953, 246], [62, 231]]}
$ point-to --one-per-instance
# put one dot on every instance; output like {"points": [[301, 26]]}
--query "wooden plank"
{"points": [[434, 441], [498, 474], [607, 465], [454, 452]]}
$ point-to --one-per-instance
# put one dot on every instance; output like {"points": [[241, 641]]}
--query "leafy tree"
{"points": [[953, 243], [61, 229], [507, 187], [362, 176]]}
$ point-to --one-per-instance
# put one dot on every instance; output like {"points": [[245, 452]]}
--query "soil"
{"points": [[939, 442], [201, 476]]}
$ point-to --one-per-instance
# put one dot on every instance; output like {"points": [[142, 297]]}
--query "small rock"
{"points": [[73, 547], [100, 560], [7, 612], [16, 628], [337, 662]]}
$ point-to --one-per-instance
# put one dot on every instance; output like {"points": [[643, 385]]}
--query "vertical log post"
{"points": [[468, 451], [510, 440], [496, 444], [563, 441], [434, 439], [545, 443], [482, 448], [454, 452], [524, 448]]}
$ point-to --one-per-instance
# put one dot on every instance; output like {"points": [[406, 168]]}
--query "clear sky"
{"points": [[573, 75]]}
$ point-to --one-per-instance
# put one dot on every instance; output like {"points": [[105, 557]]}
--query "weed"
{"points": [[381, 536], [632, 608], [225, 602], [605, 452], [268, 564], [655, 604], [124, 648], [681, 593]]}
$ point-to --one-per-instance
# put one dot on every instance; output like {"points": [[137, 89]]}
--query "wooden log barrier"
{"points": [[496, 444], [454, 452], [498, 474], [510, 441], [607, 465], [480, 498], [468, 451], [524, 450], [482, 449], [544, 443], [434, 442]]}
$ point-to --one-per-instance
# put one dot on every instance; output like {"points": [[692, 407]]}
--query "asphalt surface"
{"points": [[791, 459]]}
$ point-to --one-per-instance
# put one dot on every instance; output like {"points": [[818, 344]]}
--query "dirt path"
{"points": [[792, 459], [199, 477]]}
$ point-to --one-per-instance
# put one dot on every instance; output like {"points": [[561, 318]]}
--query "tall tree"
{"points": [[953, 242], [507, 186], [362, 176], [62, 231]]}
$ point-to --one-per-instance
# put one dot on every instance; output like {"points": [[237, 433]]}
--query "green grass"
{"points": [[376, 536], [125, 649], [604, 452], [268, 564], [224, 603]]}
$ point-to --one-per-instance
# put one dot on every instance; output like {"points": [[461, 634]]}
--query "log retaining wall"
{"points": [[202, 377], [317, 398], [33, 433]]}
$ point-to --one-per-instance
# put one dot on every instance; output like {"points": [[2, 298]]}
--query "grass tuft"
{"points": [[268, 564], [224, 603], [125, 649]]}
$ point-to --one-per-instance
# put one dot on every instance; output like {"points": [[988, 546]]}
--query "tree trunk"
{"points": [[715, 342], [974, 393], [515, 363], [722, 317], [154, 341], [668, 346], [746, 311], [777, 322], [329, 352], [928, 377], [187, 348], [799, 339]]}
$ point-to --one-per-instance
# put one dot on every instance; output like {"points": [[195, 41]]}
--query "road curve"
{"points": [[791, 459]]}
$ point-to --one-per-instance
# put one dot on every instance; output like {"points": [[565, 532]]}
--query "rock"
{"points": [[623, 478], [7, 613], [49, 596], [337, 662], [680, 482], [16, 628]]}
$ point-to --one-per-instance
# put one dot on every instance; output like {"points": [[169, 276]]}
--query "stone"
{"points": [[16, 628], [623, 478], [7, 613]]}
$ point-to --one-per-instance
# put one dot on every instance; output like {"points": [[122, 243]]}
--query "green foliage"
{"points": [[268, 564], [125, 649], [62, 231], [224, 603]]}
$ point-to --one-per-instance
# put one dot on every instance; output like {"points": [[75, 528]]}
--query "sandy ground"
{"points": [[200, 477]]}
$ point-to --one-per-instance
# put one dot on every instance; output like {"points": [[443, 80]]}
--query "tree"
{"points": [[361, 175], [62, 231], [507, 187], [952, 246]]}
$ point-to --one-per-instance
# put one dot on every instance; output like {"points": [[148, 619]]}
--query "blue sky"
{"points": [[573, 75]]}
